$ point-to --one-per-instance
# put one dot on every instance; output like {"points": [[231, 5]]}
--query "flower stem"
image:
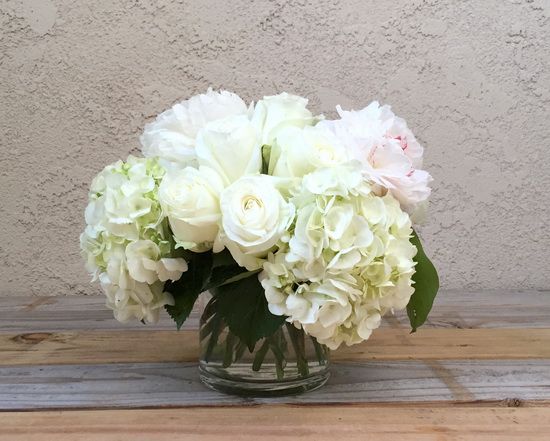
{"points": [[230, 342], [278, 353], [298, 343], [320, 351], [239, 350], [260, 356], [216, 329]]}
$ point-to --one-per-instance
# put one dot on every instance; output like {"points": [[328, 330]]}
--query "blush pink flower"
{"points": [[390, 154]]}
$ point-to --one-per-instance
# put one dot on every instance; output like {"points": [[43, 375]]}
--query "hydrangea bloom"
{"points": [[127, 243], [348, 261]]}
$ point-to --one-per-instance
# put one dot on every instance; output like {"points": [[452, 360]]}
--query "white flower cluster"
{"points": [[321, 207], [348, 261], [217, 196], [126, 243]]}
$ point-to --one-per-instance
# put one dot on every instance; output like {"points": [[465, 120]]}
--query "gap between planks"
{"points": [[280, 422], [94, 347]]}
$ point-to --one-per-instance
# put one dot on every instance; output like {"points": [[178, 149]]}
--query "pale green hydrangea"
{"points": [[348, 260], [127, 243]]}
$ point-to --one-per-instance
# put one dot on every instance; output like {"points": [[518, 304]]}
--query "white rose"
{"points": [[230, 146], [172, 135], [190, 199], [276, 112], [299, 151], [146, 265], [254, 217]]}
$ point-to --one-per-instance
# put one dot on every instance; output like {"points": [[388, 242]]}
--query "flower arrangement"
{"points": [[286, 218]]}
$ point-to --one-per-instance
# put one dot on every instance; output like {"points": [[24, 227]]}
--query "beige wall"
{"points": [[80, 78]]}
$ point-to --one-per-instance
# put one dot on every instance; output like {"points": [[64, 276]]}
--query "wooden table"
{"points": [[480, 369]]}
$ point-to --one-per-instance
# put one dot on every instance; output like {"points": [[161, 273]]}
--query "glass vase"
{"points": [[287, 362]]}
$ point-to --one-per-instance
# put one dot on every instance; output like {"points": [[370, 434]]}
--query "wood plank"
{"points": [[452, 344], [177, 384], [280, 422], [67, 313], [452, 309], [97, 347]]}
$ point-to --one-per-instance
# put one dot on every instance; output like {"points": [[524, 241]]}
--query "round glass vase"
{"points": [[287, 362]]}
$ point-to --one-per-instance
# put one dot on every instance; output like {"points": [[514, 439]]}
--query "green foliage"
{"points": [[426, 285], [243, 306], [186, 290], [206, 271]]}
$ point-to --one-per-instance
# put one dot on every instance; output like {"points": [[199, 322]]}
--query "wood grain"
{"points": [[281, 422], [453, 380], [509, 382], [157, 346], [452, 309], [67, 313]]}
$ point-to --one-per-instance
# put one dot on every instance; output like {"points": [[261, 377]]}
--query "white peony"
{"points": [[230, 146], [348, 261], [390, 154], [255, 216], [127, 242], [299, 151], [172, 135], [273, 113], [190, 199]]}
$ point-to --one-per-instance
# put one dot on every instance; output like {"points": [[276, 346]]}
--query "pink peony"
{"points": [[390, 154]]}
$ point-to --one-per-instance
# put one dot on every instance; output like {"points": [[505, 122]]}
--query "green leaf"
{"points": [[186, 290], [243, 307], [206, 271], [426, 285], [260, 356], [224, 268]]}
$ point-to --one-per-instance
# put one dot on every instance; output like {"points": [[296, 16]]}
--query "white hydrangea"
{"points": [[172, 136], [348, 260], [127, 243]]}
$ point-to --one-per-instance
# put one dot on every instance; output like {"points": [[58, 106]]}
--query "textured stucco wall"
{"points": [[79, 80]]}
